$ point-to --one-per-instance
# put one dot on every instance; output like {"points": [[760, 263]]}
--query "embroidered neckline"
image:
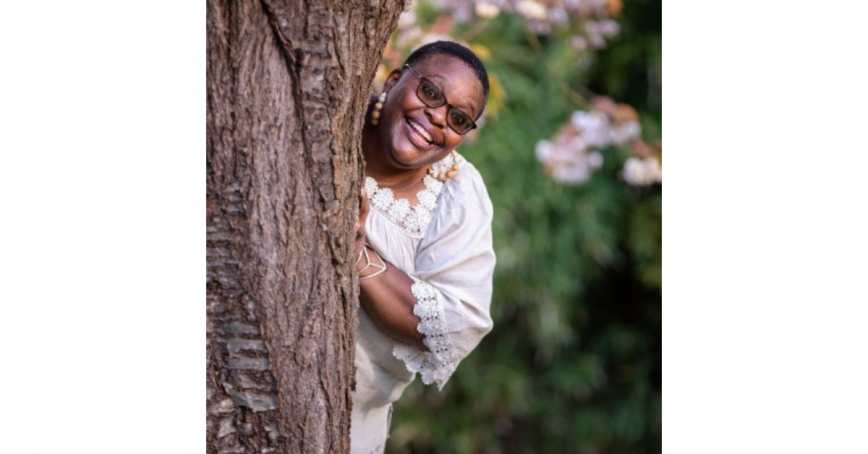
{"points": [[413, 220]]}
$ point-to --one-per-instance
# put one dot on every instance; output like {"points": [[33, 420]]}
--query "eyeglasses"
{"points": [[432, 96]]}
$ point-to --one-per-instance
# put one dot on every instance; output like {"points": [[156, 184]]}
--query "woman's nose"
{"points": [[437, 115]]}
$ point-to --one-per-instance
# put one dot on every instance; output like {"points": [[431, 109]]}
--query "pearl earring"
{"points": [[375, 115]]}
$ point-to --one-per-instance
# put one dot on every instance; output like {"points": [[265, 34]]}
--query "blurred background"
{"points": [[570, 150]]}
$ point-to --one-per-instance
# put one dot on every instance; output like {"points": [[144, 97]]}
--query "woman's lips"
{"points": [[420, 129], [419, 140]]}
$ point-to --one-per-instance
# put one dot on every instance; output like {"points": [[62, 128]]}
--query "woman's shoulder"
{"points": [[467, 188], [460, 230]]}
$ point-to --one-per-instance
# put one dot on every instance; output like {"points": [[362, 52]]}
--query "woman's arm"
{"points": [[386, 296], [388, 299]]}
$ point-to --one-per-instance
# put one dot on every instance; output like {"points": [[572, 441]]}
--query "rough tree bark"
{"points": [[287, 88]]}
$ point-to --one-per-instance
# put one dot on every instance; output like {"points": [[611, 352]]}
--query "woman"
{"points": [[425, 257]]}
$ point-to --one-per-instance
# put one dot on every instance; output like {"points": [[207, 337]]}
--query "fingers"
{"points": [[364, 204], [364, 207]]}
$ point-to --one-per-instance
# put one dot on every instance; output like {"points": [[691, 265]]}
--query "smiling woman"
{"points": [[425, 257]]}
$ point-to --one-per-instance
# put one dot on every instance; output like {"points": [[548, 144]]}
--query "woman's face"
{"points": [[404, 114]]}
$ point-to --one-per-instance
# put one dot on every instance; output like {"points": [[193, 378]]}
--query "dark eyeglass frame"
{"points": [[422, 97]]}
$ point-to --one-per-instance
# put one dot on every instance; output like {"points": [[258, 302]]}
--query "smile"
{"points": [[418, 128]]}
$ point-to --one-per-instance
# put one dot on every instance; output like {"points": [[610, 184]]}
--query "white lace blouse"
{"points": [[444, 244]]}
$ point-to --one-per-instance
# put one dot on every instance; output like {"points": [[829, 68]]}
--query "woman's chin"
{"points": [[405, 157], [406, 154], [411, 151]]}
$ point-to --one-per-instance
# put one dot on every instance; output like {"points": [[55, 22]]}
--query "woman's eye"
{"points": [[458, 119], [431, 92]]}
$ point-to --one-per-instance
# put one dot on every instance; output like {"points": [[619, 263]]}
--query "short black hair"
{"points": [[458, 51]]}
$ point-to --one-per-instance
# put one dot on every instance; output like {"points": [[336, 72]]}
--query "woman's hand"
{"points": [[361, 234]]}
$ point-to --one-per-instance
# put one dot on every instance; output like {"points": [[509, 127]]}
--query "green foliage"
{"points": [[574, 361]]}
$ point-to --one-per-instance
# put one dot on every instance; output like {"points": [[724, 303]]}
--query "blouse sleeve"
{"points": [[453, 280]]}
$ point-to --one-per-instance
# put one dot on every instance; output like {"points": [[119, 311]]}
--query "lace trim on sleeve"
{"points": [[438, 364]]}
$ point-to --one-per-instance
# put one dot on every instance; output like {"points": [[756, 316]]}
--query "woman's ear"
{"points": [[392, 80]]}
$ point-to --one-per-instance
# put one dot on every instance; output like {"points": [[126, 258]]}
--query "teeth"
{"points": [[421, 131]]}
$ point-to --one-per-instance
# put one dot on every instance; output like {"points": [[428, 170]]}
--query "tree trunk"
{"points": [[287, 90]]}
